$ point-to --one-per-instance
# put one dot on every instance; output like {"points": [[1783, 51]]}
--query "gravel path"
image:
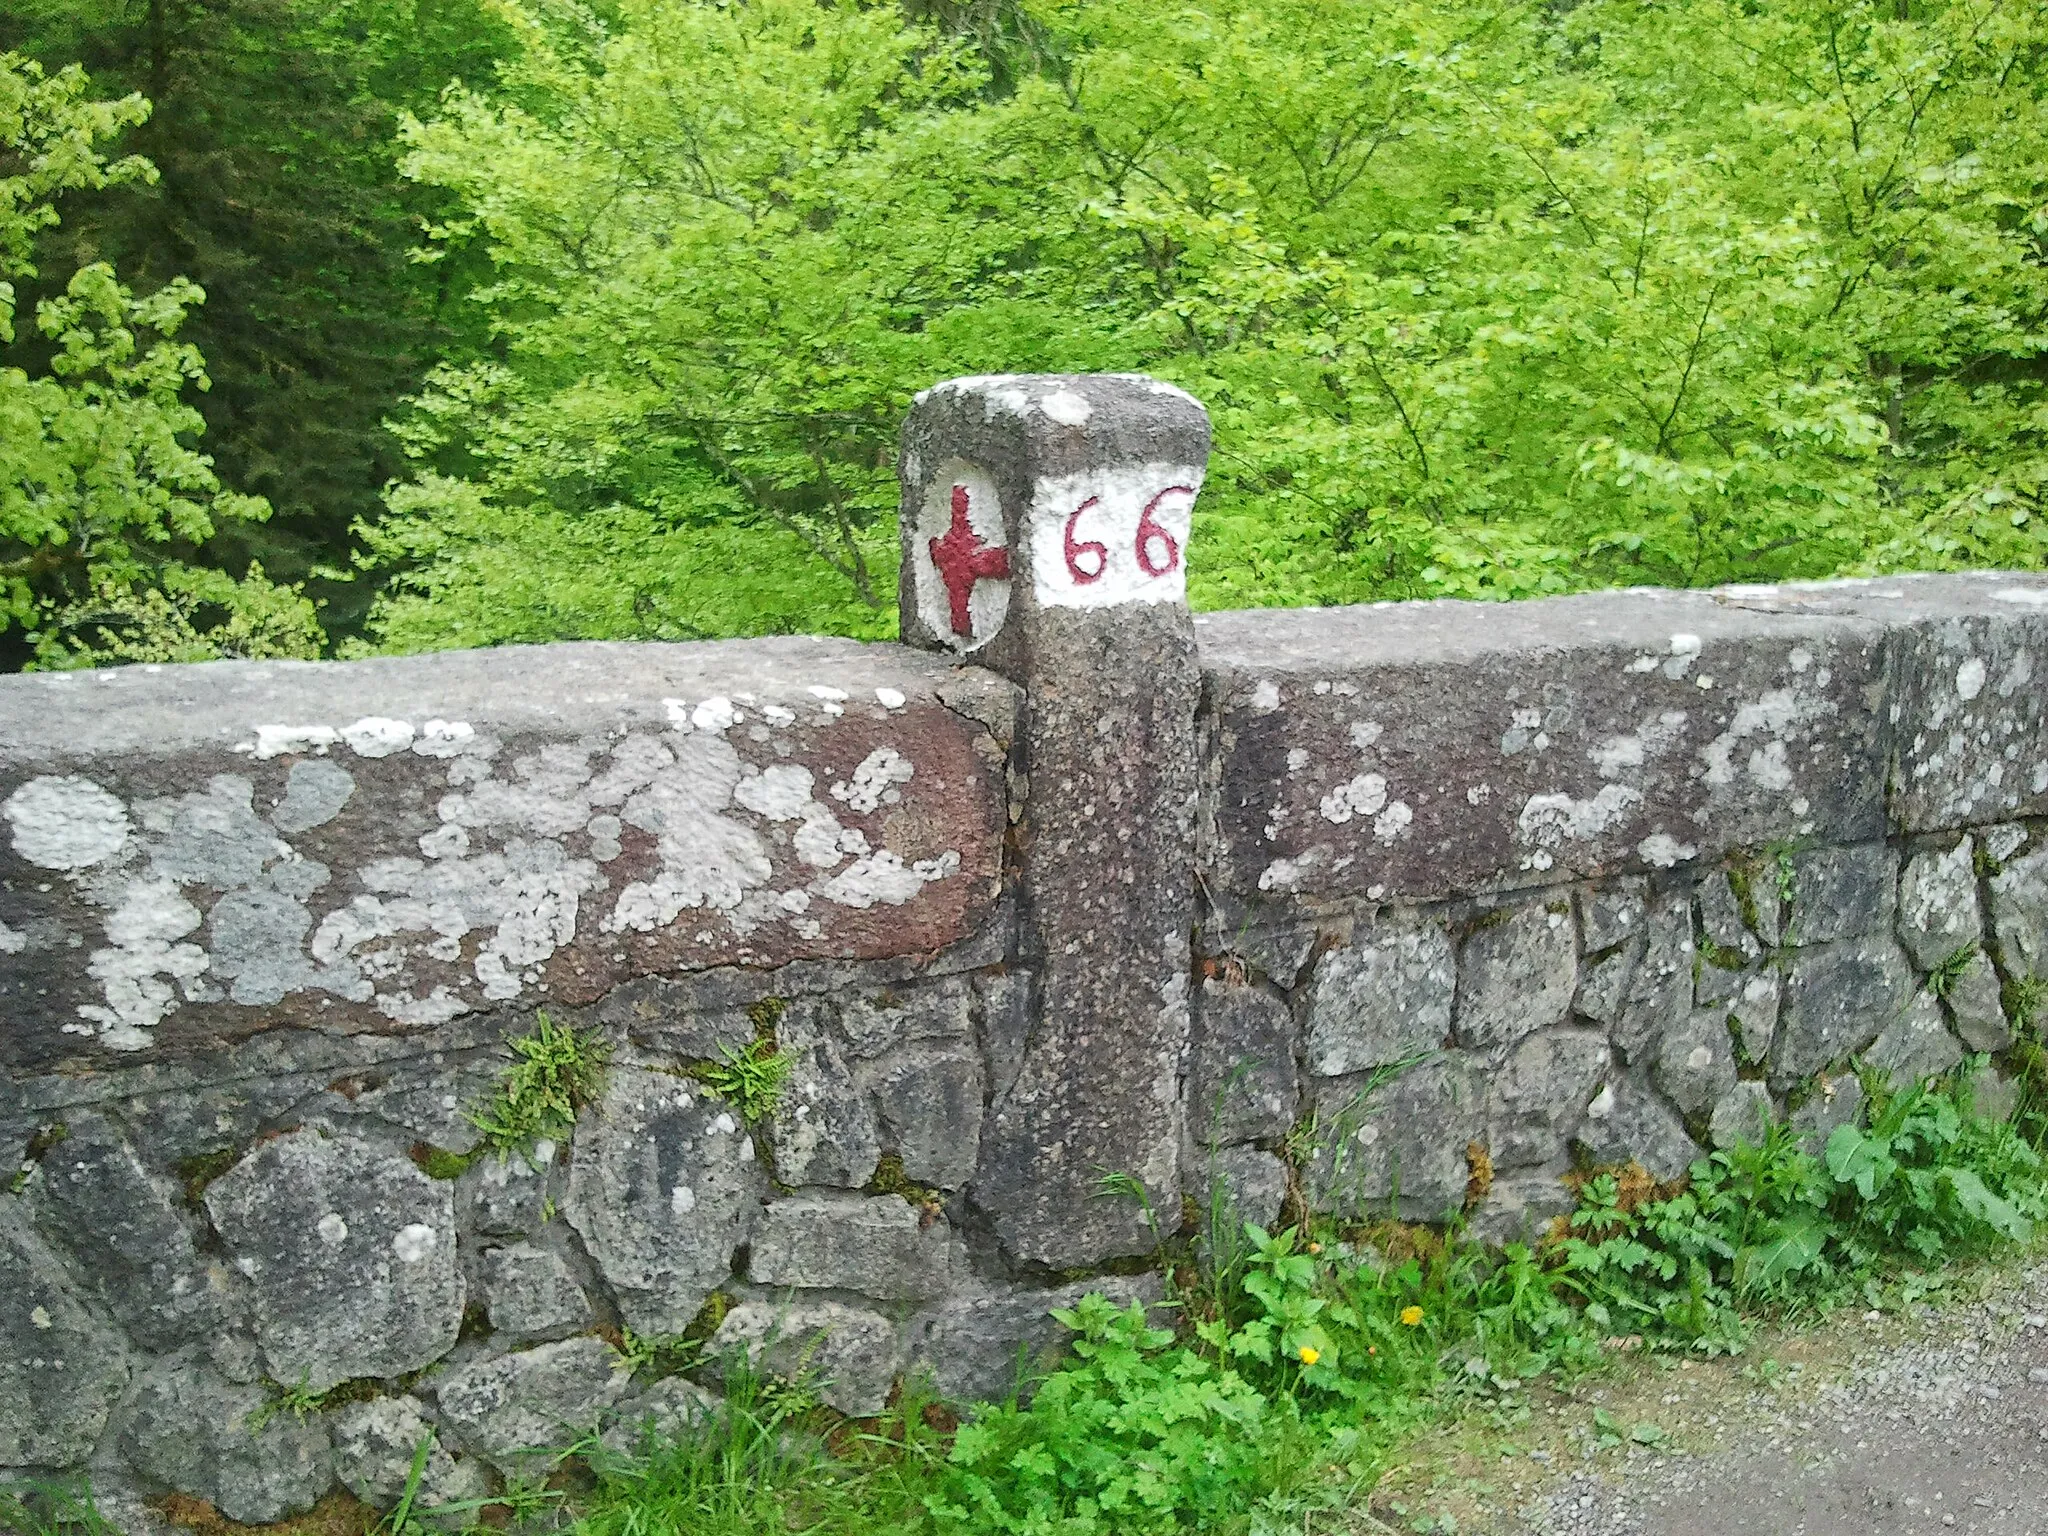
{"points": [[1944, 1429], [1875, 1425]]}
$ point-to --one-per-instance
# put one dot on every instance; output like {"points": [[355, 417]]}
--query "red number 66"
{"points": [[1152, 560]]}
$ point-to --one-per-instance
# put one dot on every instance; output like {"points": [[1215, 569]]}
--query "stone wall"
{"points": [[1401, 909]]}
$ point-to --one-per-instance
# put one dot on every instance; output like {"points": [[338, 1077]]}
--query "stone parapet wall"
{"points": [[1404, 910]]}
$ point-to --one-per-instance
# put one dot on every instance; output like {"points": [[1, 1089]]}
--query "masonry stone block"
{"points": [[1695, 1062], [1744, 1113], [981, 1347], [1517, 972], [194, 1432], [824, 1129], [349, 1251], [1045, 528], [513, 1408], [506, 1194], [1604, 982], [61, 1367], [1748, 999], [882, 1247], [1268, 937], [97, 1199], [663, 1189], [1976, 1005], [1841, 893], [1524, 1207], [517, 828], [1734, 941], [1423, 750], [663, 1414], [849, 1355], [1612, 913], [1628, 1121], [928, 1111], [885, 1020], [2019, 912], [1838, 998], [1234, 1185], [531, 1295], [1382, 998], [1916, 1044], [1970, 734], [1937, 904], [1660, 988], [374, 1445], [1834, 1101], [1242, 1084], [1399, 1146], [1540, 1094]]}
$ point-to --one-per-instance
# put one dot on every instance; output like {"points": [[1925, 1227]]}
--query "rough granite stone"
{"points": [[1975, 1004], [1841, 893], [1994, 1097], [61, 1368], [1612, 914], [1523, 1207], [1242, 1084], [824, 1124], [1628, 1122], [1721, 920], [1604, 982], [1266, 937], [1540, 1094], [1916, 1045], [885, 1020], [1382, 998], [848, 1355], [540, 1400], [880, 1246], [95, 1198], [374, 1446], [349, 1251], [194, 1432], [1938, 904], [1744, 1114], [1234, 1185], [1835, 1101], [1442, 748], [531, 1294], [982, 1348], [1517, 971], [928, 1111], [664, 1414], [664, 1188], [1660, 990], [1695, 1062], [996, 474], [1838, 998], [1966, 696], [506, 1194], [2019, 913], [1400, 1146]]}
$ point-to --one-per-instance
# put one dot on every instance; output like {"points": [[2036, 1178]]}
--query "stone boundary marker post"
{"points": [[1045, 532]]}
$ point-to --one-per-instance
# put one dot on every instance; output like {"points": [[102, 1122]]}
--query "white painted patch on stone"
{"points": [[1112, 536], [1970, 678], [63, 822], [414, 1242], [980, 532]]}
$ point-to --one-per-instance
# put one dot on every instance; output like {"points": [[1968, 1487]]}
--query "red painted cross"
{"points": [[963, 559]]}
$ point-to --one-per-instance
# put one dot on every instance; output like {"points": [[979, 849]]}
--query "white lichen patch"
{"points": [[65, 823], [875, 780], [1661, 850], [1552, 820]]}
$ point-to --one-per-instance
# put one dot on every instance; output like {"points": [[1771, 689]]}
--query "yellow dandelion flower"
{"points": [[1411, 1317], [1310, 1356]]}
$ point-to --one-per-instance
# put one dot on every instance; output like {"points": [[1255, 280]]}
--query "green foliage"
{"points": [[555, 1071], [1943, 978], [39, 1507], [749, 1079], [1484, 303], [103, 500]]}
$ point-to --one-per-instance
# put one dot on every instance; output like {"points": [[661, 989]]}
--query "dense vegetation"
{"points": [[531, 319]]}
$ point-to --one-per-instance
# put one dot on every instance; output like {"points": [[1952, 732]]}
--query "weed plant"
{"points": [[555, 1071]]}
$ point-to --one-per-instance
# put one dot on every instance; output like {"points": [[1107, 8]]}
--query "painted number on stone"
{"points": [[1157, 551]]}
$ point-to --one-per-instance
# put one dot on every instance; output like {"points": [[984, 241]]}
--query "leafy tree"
{"points": [[102, 497], [1485, 302]]}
